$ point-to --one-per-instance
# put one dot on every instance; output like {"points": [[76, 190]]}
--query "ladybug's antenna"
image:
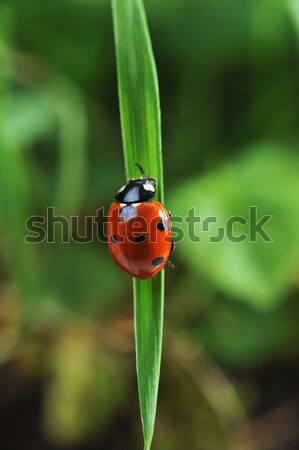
{"points": [[141, 169]]}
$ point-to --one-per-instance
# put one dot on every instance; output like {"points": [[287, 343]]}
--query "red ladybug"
{"points": [[139, 230]]}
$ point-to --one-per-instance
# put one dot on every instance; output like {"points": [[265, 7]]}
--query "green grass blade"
{"points": [[148, 313], [140, 119], [138, 91]]}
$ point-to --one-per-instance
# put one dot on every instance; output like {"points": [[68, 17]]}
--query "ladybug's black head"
{"points": [[137, 190]]}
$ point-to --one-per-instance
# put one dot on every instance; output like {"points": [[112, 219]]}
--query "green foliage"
{"points": [[242, 337], [83, 391], [140, 117], [254, 270]]}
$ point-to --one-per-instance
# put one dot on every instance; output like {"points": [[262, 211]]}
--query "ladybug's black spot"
{"points": [[158, 261], [172, 246], [113, 239], [161, 226], [140, 238], [127, 211]]}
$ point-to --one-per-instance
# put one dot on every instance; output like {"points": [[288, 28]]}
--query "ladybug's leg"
{"points": [[169, 213], [172, 246], [170, 264]]}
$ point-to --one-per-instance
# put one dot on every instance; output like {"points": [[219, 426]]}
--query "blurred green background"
{"points": [[228, 75]]}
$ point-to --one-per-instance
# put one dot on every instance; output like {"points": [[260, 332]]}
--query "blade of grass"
{"points": [[140, 119], [148, 316]]}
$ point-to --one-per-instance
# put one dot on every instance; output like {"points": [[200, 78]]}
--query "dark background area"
{"points": [[228, 76]]}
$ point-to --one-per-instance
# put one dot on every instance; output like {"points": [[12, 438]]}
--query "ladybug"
{"points": [[139, 229]]}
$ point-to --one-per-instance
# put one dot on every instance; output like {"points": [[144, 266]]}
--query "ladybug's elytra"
{"points": [[138, 229]]}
